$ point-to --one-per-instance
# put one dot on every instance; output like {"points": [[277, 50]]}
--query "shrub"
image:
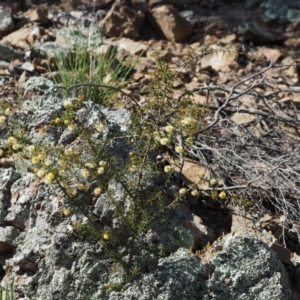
{"points": [[127, 170]]}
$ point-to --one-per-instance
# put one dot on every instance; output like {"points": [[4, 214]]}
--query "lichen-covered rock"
{"points": [[7, 178], [40, 84], [245, 268], [8, 237], [50, 260], [6, 20], [177, 278], [277, 9]]}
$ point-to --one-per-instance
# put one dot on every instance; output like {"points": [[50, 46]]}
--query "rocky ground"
{"points": [[249, 85]]}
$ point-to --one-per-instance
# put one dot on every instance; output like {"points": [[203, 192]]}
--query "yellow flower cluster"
{"points": [[49, 178], [2, 119]]}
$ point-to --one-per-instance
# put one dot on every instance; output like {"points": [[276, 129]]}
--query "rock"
{"points": [[202, 234], [177, 277], [293, 233], [229, 39], [271, 54], [177, 3], [248, 103], [6, 20], [8, 54], [19, 38], [123, 19], [22, 200], [220, 59], [27, 66], [37, 15], [7, 178], [8, 237], [258, 34], [192, 172], [245, 268], [276, 9], [210, 40], [169, 23], [283, 253], [134, 48], [40, 84]]}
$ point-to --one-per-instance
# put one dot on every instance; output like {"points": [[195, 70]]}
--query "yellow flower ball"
{"points": [[16, 146], [187, 121], [132, 154], [105, 236], [182, 191], [41, 173], [66, 212], [71, 191], [169, 129], [81, 187], [1, 152], [213, 181], [30, 148], [100, 170], [102, 163], [168, 169], [48, 162], [35, 160], [132, 168], [222, 195], [179, 149], [90, 165], [68, 152], [49, 178], [72, 127], [97, 190], [67, 104], [164, 141], [2, 119], [99, 127], [66, 122], [12, 140], [57, 120], [195, 193], [7, 111], [61, 172], [85, 173]]}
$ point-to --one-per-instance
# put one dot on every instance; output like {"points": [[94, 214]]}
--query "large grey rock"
{"points": [[50, 260], [245, 268], [177, 277]]}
